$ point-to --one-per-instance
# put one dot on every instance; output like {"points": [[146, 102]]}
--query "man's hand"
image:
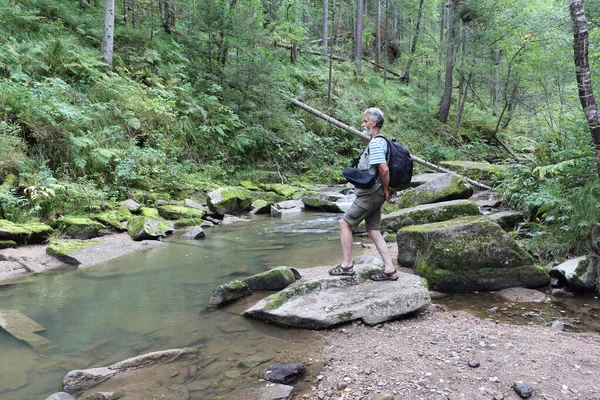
{"points": [[384, 175]]}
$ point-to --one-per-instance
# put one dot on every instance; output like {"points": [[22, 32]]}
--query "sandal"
{"points": [[385, 276], [339, 270]]}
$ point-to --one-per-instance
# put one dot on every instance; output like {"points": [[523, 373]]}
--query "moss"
{"points": [[475, 170], [428, 193], [389, 238], [149, 212], [185, 222], [236, 285], [269, 197], [77, 226], [115, 217], [249, 185], [178, 212], [11, 228], [287, 191], [60, 248], [9, 181], [582, 267], [6, 244]]}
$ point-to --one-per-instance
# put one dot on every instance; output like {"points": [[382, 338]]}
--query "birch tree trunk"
{"points": [[446, 99], [325, 25], [108, 32], [584, 76], [358, 39]]}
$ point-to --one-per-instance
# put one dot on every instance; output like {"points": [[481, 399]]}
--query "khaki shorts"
{"points": [[367, 208]]}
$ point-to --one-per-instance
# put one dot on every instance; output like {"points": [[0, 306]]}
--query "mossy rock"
{"points": [[142, 228], [30, 232], [274, 279], [270, 197], [115, 218], [478, 171], [62, 249], [428, 213], [228, 293], [8, 244], [79, 227], [9, 181], [287, 191], [178, 212], [186, 222], [229, 200], [249, 185], [445, 188], [149, 212], [469, 253]]}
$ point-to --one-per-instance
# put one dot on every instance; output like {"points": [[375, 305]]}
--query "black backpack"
{"points": [[399, 162]]}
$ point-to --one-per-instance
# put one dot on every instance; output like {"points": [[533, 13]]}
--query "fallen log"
{"points": [[389, 71], [364, 136]]}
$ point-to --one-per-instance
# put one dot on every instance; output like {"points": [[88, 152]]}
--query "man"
{"points": [[367, 205]]}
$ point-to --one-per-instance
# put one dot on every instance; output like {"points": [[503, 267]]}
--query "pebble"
{"points": [[474, 363], [341, 386], [558, 326], [524, 390]]}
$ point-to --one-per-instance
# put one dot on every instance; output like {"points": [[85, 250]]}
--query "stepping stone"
{"points": [[23, 328]]}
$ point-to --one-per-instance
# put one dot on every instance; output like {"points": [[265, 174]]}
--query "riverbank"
{"points": [[427, 356]]}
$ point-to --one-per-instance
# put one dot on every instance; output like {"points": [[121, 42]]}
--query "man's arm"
{"points": [[384, 175]]}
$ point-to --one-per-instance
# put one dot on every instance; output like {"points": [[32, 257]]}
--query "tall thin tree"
{"points": [[584, 76], [447, 98], [108, 32], [358, 37], [325, 25]]}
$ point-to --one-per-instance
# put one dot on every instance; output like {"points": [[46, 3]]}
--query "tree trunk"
{"points": [[446, 99], [108, 35], [496, 77], [305, 18], [358, 39], [325, 25], [378, 32], [440, 49], [413, 46], [125, 12], [584, 76]]}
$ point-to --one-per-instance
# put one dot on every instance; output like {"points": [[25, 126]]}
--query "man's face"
{"points": [[367, 124]]}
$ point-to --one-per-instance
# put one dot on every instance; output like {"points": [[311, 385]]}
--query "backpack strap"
{"points": [[387, 150]]}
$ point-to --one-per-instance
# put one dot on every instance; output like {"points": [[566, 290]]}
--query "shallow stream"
{"points": [[156, 300]]}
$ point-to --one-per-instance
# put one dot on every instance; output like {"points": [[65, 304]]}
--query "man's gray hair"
{"points": [[375, 115]]}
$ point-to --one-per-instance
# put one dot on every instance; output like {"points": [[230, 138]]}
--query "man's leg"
{"points": [[383, 250], [346, 239]]}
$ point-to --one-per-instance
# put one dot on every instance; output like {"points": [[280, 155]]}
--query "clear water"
{"points": [[156, 300]]}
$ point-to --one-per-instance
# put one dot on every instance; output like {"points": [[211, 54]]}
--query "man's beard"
{"points": [[368, 132]]}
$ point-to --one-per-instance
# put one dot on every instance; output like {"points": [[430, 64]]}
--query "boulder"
{"points": [[194, 232], [483, 172], [31, 232], [230, 200], [421, 179], [149, 212], [191, 222], [326, 301], [260, 206], [465, 254], [274, 279], [79, 380], [284, 373], [228, 293], [287, 191], [288, 207], [79, 227], [132, 205], [578, 274], [323, 202], [23, 328], [508, 220], [262, 391], [115, 218], [169, 211], [64, 248], [427, 213], [193, 204], [8, 244], [445, 188], [142, 228]]}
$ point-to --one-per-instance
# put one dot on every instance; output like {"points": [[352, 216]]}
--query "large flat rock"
{"points": [[326, 301], [23, 328]]}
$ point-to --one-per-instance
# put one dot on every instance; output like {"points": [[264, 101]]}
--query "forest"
{"points": [[104, 101]]}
